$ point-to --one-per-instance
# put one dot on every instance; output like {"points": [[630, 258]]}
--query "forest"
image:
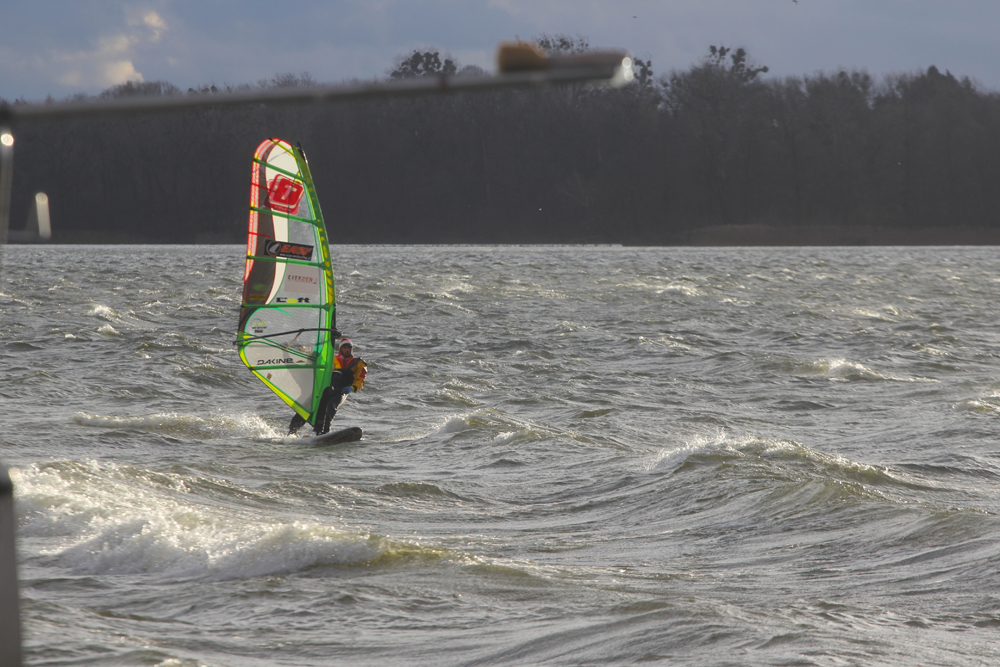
{"points": [[719, 153]]}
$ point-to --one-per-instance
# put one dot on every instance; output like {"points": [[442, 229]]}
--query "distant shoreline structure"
{"points": [[828, 235], [714, 236]]}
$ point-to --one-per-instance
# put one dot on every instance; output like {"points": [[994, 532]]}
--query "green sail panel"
{"points": [[287, 329]]}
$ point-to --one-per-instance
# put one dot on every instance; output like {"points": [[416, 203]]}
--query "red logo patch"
{"points": [[284, 194]]}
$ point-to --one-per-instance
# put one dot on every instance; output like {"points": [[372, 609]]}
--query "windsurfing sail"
{"points": [[288, 317]]}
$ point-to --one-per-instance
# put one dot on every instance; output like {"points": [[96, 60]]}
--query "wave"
{"points": [[988, 404], [187, 426], [841, 370], [108, 330], [796, 477], [415, 490], [122, 520], [494, 426]]}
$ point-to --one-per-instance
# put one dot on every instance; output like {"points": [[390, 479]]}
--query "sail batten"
{"points": [[287, 326], [279, 214], [266, 258]]}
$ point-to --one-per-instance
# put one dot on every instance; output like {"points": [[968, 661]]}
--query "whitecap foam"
{"points": [[112, 316], [823, 465], [504, 438], [989, 404], [103, 312], [195, 426], [455, 396], [455, 424], [886, 313], [120, 520], [667, 341], [415, 431], [661, 285], [216, 548], [677, 288], [843, 370], [671, 458]]}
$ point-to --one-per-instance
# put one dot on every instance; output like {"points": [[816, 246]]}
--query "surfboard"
{"points": [[352, 434]]}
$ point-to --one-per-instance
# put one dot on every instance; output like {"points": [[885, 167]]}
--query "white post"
{"points": [[6, 180]]}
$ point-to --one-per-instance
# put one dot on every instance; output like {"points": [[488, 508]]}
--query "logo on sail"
{"points": [[298, 283], [283, 194], [288, 250]]}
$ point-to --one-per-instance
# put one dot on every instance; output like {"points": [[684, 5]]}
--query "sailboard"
{"points": [[288, 316], [351, 434]]}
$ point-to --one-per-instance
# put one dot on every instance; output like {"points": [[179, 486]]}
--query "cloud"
{"points": [[147, 19], [109, 59]]}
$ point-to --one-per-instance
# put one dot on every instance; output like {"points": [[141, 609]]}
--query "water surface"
{"points": [[573, 456]]}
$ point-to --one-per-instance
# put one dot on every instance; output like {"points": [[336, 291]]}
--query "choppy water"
{"points": [[573, 456]]}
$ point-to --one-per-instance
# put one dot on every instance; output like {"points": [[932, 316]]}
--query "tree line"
{"points": [[717, 145]]}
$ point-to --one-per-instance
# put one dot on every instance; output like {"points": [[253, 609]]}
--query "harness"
{"points": [[344, 376]]}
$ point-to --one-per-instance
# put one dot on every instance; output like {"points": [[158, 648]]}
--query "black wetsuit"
{"points": [[333, 397]]}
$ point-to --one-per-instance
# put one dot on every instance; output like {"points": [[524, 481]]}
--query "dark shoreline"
{"points": [[760, 235], [719, 236]]}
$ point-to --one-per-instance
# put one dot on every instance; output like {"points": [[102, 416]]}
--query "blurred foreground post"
{"points": [[10, 615]]}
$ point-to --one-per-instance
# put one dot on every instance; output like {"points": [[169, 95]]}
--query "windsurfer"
{"points": [[349, 374]]}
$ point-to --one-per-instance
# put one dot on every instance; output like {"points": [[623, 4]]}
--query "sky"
{"points": [[60, 48]]}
